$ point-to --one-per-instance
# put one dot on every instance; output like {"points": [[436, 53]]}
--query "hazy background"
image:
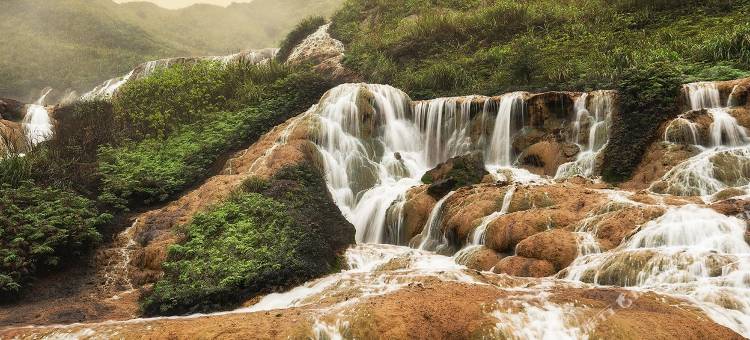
{"points": [[77, 44], [173, 4]]}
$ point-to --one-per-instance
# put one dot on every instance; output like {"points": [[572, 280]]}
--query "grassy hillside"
{"points": [[76, 44], [446, 47]]}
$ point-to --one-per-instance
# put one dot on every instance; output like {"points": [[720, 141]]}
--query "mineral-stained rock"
{"points": [[524, 267], [558, 247], [479, 258], [455, 173]]}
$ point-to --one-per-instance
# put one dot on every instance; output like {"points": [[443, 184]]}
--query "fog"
{"points": [[174, 4]]}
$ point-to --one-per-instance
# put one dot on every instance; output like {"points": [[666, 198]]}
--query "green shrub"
{"points": [[154, 169], [153, 105], [297, 35], [40, 228], [647, 97], [253, 243]]}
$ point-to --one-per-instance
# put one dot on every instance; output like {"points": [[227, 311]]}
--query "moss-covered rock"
{"points": [[455, 173], [286, 233]]}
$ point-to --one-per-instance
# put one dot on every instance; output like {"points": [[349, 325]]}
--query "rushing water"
{"points": [[37, 122], [724, 160], [593, 119]]}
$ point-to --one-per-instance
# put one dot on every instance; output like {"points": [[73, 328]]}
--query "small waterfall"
{"points": [[597, 121], [477, 236], [446, 125], [432, 237], [703, 95], [725, 158], [733, 99], [107, 89], [36, 122], [689, 251], [510, 114]]}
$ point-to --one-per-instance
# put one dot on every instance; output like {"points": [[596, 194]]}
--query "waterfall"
{"points": [[446, 125], [597, 121], [510, 114], [724, 160], [432, 237], [36, 122], [703, 95], [690, 251]]}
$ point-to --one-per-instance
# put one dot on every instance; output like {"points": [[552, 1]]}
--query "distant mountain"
{"points": [[75, 44]]}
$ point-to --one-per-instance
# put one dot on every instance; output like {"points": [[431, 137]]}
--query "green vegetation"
{"points": [[433, 48], [647, 98], [280, 236], [38, 228], [297, 35], [153, 169], [77, 44]]}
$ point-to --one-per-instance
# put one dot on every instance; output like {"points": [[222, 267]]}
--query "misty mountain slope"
{"points": [[75, 44]]}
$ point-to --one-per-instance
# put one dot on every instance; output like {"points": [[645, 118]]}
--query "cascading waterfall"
{"points": [[594, 124], [36, 122], [690, 251], [509, 115], [725, 158], [376, 145]]}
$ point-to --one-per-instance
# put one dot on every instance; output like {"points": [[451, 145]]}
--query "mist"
{"points": [[175, 4]]}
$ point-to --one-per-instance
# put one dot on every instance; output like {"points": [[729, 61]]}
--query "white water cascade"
{"points": [[593, 120], [376, 145], [724, 160], [690, 252], [36, 122]]}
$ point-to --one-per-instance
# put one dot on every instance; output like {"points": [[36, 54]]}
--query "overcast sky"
{"points": [[185, 3]]}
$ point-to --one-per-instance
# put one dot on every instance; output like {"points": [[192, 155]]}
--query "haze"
{"points": [[174, 4]]}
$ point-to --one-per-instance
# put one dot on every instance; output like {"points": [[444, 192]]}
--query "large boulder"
{"points": [[11, 109], [558, 247], [455, 173]]}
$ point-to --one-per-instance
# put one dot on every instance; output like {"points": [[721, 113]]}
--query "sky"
{"points": [[172, 4]]}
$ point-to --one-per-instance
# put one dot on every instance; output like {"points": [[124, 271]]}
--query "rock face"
{"points": [[325, 52], [11, 109], [455, 173]]}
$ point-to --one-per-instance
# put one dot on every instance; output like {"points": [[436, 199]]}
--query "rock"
{"points": [[545, 157], [454, 173], [416, 211], [524, 267], [733, 207], [612, 227], [11, 109], [558, 247], [480, 258], [467, 206]]}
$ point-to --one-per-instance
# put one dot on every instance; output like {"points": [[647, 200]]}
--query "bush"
{"points": [[647, 97], [154, 169], [153, 105], [253, 243], [297, 35], [40, 228]]}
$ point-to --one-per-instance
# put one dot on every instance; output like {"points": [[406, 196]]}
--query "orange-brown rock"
{"points": [[558, 247], [468, 205], [660, 157], [733, 207], [614, 226], [479, 258], [524, 267], [416, 211], [545, 157]]}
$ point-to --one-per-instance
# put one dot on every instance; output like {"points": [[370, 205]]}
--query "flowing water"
{"points": [[375, 144], [593, 119], [724, 160], [37, 123]]}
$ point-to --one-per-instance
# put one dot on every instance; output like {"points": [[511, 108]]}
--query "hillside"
{"points": [[76, 44]]}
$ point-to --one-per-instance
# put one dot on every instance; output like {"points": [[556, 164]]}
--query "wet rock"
{"points": [[455, 173], [467, 206], [558, 247], [480, 258], [11, 109], [524, 267], [733, 207], [416, 210], [545, 157]]}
